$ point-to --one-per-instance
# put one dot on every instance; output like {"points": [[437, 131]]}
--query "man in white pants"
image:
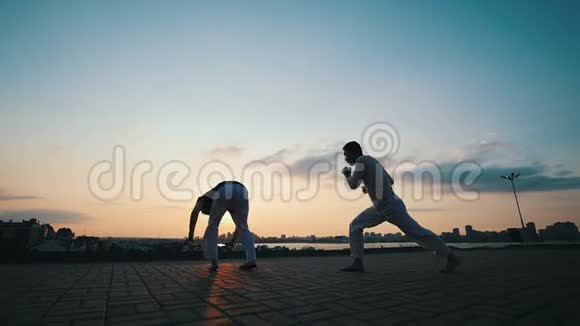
{"points": [[230, 196], [387, 206]]}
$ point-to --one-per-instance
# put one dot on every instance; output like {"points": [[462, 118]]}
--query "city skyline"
{"points": [[470, 233]]}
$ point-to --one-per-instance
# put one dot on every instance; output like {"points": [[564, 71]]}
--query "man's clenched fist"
{"points": [[346, 171]]}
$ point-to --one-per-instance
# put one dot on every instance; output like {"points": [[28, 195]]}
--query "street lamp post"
{"points": [[511, 177]]}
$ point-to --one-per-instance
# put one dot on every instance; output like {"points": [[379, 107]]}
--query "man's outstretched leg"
{"points": [[424, 237], [434, 243], [366, 219]]}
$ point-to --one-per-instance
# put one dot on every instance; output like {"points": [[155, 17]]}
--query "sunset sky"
{"points": [[286, 83]]}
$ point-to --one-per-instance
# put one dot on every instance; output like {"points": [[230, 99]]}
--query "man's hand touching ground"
{"points": [[230, 244], [189, 246]]}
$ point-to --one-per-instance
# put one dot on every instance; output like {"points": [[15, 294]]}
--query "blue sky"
{"points": [[511, 63], [176, 79]]}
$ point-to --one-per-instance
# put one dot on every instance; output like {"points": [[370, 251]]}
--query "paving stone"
{"points": [[177, 316], [121, 309], [70, 317], [134, 317], [213, 322], [247, 310], [145, 322], [250, 320], [147, 307], [89, 322], [318, 315]]}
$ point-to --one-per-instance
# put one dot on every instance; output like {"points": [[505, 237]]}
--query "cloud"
{"points": [[482, 151], [563, 173], [486, 147], [284, 154], [495, 158], [279, 156], [302, 162], [13, 197], [533, 177], [305, 165], [525, 183], [46, 216], [231, 150], [6, 196]]}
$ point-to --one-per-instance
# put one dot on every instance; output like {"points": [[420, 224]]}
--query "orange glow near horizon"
{"points": [[326, 215]]}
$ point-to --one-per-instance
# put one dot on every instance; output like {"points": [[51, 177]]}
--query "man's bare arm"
{"points": [[193, 219], [355, 178]]}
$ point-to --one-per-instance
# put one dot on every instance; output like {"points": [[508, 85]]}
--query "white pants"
{"points": [[395, 213], [236, 203]]}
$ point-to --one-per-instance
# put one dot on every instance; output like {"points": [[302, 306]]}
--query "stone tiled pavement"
{"points": [[525, 287]]}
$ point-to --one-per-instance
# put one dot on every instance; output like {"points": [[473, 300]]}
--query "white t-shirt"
{"points": [[371, 173]]}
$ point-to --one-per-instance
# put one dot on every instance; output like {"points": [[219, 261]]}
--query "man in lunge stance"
{"points": [[387, 206]]}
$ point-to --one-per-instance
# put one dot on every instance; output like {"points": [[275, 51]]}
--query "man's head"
{"points": [[352, 151]]}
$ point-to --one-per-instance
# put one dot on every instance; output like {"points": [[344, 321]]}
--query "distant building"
{"points": [[19, 236], [514, 234], [65, 234], [456, 232], [565, 231], [283, 236], [531, 234], [469, 231], [531, 228]]}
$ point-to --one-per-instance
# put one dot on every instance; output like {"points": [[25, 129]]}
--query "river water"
{"points": [[339, 246]]}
